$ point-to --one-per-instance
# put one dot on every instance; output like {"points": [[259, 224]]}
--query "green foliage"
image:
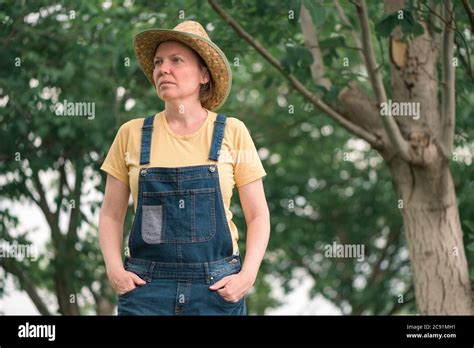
{"points": [[297, 60], [402, 18], [317, 12], [315, 195]]}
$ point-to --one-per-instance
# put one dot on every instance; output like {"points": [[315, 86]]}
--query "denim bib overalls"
{"points": [[180, 242]]}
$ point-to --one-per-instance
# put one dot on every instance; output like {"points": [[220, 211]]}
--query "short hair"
{"points": [[207, 89]]}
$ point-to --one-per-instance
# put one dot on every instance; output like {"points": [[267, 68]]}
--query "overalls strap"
{"points": [[217, 136], [147, 131]]}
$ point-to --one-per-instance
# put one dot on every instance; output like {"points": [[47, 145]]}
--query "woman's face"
{"points": [[178, 65]]}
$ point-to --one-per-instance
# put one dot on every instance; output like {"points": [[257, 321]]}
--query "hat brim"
{"points": [[145, 44]]}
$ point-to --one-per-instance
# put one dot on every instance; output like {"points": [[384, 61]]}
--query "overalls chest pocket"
{"points": [[183, 216]]}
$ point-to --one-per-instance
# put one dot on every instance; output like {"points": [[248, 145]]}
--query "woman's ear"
{"points": [[204, 76]]}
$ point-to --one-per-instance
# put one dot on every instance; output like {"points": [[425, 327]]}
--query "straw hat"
{"points": [[192, 34]]}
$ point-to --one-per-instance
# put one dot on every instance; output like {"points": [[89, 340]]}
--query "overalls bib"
{"points": [[180, 242]]}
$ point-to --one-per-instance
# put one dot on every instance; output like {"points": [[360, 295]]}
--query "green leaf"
{"points": [[286, 65], [418, 29], [261, 8], [317, 11], [298, 56], [408, 24], [434, 28], [295, 7], [69, 70], [268, 82], [385, 27], [331, 95], [199, 4], [469, 225]]}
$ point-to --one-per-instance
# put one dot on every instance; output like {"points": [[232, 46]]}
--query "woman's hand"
{"points": [[123, 281], [232, 288]]}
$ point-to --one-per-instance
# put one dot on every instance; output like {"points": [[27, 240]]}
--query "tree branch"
{"points": [[347, 23], [312, 43], [465, 60], [398, 142], [355, 129], [102, 304], [62, 183], [43, 205], [358, 107], [76, 212], [448, 104], [11, 267], [470, 13], [433, 18]]}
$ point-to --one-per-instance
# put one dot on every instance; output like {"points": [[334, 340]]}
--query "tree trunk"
{"points": [[104, 307], [417, 149], [434, 237], [423, 182], [67, 299]]}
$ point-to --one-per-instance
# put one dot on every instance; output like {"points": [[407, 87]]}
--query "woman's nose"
{"points": [[164, 68]]}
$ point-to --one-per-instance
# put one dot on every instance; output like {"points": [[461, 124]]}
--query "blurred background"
{"points": [[324, 185]]}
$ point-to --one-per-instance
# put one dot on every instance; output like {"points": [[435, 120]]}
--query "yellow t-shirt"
{"points": [[238, 162]]}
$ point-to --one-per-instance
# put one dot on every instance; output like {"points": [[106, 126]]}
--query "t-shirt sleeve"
{"points": [[115, 162], [248, 166]]}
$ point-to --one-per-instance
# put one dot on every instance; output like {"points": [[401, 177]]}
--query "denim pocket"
{"points": [[182, 216], [152, 224], [219, 277], [129, 292], [225, 302], [139, 272]]}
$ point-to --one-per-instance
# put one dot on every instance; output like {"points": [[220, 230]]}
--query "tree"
{"points": [[324, 184], [417, 153], [57, 54]]}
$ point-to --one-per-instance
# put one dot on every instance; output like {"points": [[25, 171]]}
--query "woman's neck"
{"points": [[184, 119], [184, 114]]}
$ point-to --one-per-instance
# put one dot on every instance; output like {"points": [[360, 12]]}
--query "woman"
{"points": [[181, 166]]}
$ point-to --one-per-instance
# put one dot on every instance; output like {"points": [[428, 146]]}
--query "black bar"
{"points": [[332, 330]]}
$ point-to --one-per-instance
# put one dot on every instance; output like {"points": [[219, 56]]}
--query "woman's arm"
{"points": [[257, 217], [112, 216]]}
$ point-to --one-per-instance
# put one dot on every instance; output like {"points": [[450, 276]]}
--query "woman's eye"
{"points": [[157, 62]]}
